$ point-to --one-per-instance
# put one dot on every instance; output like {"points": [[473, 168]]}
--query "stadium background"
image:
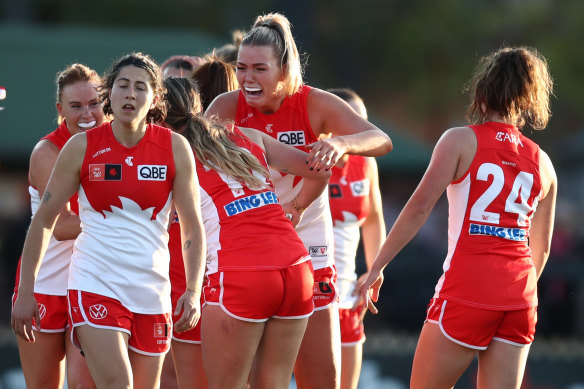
{"points": [[408, 59]]}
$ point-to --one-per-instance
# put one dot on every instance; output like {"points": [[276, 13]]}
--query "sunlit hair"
{"points": [[211, 141], [72, 74], [516, 83], [214, 77], [274, 30], [142, 61], [228, 52]]}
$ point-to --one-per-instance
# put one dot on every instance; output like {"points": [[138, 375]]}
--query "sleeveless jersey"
{"points": [[349, 189], [178, 281], [54, 271], [124, 202], [245, 227], [489, 263], [291, 125]]}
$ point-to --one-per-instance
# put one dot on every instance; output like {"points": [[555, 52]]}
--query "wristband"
{"points": [[297, 207]]}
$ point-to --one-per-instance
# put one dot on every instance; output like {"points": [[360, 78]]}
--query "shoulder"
{"points": [[44, 150], [73, 153], [78, 142], [255, 136], [458, 138], [179, 142], [224, 106], [318, 96]]}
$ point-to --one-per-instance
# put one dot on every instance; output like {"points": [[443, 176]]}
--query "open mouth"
{"points": [[128, 107], [253, 91], [85, 126]]}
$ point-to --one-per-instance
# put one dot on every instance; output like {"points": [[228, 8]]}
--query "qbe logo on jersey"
{"points": [[292, 138], [152, 172]]}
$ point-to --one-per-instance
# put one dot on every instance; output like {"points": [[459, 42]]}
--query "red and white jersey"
{"points": [[245, 227], [54, 271], [291, 125], [349, 188], [124, 203], [178, 281], [489, 263]]}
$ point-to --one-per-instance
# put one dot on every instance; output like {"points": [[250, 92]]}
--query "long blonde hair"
{"points": [[211, 141], [274, 30]]}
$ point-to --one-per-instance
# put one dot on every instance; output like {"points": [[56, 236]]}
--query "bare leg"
{"points": [[78, 376], [146, 370], [106, 352], [229, 346], [319, 359], [188, 362], [168, 376], [277, 352], [351, 358], [43, 362], [501, 366], [438, 361]]}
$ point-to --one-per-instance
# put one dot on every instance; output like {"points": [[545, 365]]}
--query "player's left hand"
{"points": [[190, 306], [325, 153]]}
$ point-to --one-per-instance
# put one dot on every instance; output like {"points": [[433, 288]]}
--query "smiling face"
{"points": [[260, 77], [131, 96], [79, 105]]}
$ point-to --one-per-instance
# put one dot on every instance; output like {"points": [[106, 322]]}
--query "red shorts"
{"points": [[191, 336], [149, 334], [52, 310], [476, 328], [352, 330], [259, 295], [324, 290]]}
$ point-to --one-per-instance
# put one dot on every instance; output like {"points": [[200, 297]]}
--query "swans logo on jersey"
{"points": [[152, 172], [318, 251], [335, 191], [250, 202], [360, 188], [105, 172], [292, 138], [249, 115], [42, 310], [505, 137], [129, 161], [269, 128], [97, 311], [517, 234], [160, 330]]}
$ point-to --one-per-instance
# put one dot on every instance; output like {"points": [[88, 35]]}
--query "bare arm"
{"points": [[290, 160], [450, 159], [542, 224], [42, 161], [223, 106], [351, 133], [373, 229], [188, 206], [63, 183]]}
